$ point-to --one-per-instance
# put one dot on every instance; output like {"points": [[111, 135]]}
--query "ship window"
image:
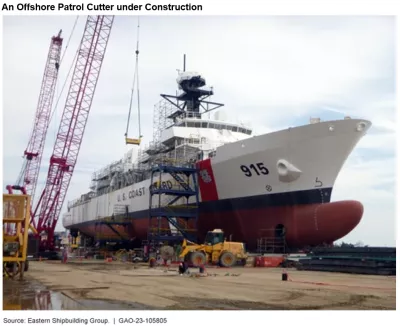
{"points": [[197, 124], [248, 131], [218, 126], [229, 127], [241, 130], [235, 129], [190, 124], [204, 125], [212, 125]]}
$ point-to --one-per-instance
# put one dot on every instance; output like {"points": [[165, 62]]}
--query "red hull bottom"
{"points": [[305, 225]]}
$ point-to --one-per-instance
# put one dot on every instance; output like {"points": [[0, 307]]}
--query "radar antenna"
{"points": [[191, 102]]}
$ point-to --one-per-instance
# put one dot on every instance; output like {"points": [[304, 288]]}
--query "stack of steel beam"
{"points": [[358, 260]]}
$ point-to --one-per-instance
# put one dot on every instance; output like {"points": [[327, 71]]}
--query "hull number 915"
{"points": [[257, 168]]}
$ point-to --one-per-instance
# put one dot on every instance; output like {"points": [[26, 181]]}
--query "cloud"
{"points": [[274, 72], [373, 180]]}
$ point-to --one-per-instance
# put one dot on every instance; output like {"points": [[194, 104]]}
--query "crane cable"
{"points": [[22, 172], [135, 80], [69, 39], [24, 165]]}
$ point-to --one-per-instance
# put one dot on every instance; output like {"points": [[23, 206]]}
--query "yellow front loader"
{"points": [[215, 250]]}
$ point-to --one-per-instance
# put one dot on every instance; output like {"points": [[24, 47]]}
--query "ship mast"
{"points": [[191, 102]]}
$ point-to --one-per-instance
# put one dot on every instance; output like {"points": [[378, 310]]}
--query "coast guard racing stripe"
{"points": [[208, 188]]}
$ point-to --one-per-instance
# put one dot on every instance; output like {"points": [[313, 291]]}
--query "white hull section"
{"points": [[307, 153], [300, 158]]}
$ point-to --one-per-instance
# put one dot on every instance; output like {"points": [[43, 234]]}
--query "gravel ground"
{"points": [[91, 285]]}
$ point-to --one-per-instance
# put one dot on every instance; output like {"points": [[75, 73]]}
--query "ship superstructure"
{"points": [[184, 132]]}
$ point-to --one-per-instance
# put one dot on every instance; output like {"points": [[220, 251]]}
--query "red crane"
{"points": [[33, 154], [29, 174], [72, 126]]}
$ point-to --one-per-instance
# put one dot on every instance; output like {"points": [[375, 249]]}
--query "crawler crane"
{"points": [[87, 69]]}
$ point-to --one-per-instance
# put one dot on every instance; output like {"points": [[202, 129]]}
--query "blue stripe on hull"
{"points": [[303, 197]]}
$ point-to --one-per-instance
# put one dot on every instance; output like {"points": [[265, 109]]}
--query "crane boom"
{"points": [[33, 153], [72, 126]]}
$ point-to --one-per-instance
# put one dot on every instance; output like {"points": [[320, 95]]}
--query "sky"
{"points": [[283, 70]]}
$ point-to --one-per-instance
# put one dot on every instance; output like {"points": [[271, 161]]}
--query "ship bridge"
{"points": [[213, 124], [206, 135]]}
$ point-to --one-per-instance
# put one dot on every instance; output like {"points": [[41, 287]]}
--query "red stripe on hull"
{"points": [[208, 187], [305, 225]]}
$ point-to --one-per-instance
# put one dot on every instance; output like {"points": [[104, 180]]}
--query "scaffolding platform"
{"points": [[16, 217], [269, 245], [110, 223], [172, 216]]}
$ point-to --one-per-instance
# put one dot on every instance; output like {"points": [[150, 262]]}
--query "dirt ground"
{"points": [[139, 287]]}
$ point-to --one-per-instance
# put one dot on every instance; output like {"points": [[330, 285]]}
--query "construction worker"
{"points": [[181, 269], [64, 253]]}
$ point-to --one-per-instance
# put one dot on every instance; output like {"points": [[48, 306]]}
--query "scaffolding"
{"points": [[16, 217], [172, 215], [171, 111], [113, 223], [271, 245], [173, 211], [162, 110]]}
